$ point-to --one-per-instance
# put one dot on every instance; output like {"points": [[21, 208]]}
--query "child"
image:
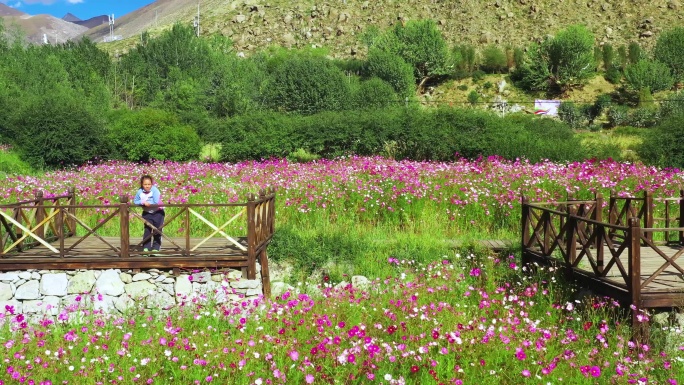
{"points": [[149, 197]]}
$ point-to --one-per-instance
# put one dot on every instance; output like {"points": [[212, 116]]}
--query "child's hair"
{"points": [[142, 179]]}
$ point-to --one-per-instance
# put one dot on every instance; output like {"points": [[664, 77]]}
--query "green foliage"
{"points": [[375, 93], [664, 145], [463, 60], [392, 69], [422, 45], [623, 57], [478, 75], [462, 87], [302, 156], [152, 134], [648, 74], [608, 56], [571, 114], [12, 164], [211, 152], [57, 129], [308, 85], [259, 135], [518, 57], [674, 105], [494, 60], [561, 63], [473, 97], [635, 53], [618, 115], [669, 49]]}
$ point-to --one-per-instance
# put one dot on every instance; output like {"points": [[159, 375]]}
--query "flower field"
{"points": [[429, 315]]}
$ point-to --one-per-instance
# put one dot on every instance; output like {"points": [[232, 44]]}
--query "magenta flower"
{"points": [[294, 355]]}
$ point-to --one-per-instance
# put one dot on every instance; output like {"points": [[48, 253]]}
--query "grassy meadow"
{"points": [[431, 312]]}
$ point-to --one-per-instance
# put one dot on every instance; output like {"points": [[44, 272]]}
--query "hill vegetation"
{"points": [[175, 93]]}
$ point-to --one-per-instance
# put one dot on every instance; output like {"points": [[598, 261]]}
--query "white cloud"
{"points": [[74, 1]]}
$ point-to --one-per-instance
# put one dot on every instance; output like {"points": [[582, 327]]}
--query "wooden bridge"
{"points": [[626, 248], [59, 233]]}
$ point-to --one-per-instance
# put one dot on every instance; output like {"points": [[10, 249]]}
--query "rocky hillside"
{"points": [[337, 24]]}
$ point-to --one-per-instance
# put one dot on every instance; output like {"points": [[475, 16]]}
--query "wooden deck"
{"points": [[93, 253]]}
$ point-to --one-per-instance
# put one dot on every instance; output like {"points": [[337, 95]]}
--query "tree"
{"points": [[393, 69], [669, 49], [648, 74], [308, 85], [560, 63]]}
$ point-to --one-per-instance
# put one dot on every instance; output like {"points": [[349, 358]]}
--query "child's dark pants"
{"points": [[157, 220]]}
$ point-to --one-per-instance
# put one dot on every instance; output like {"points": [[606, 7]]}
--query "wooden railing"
{"points": [[574, 235], [50, 222]]}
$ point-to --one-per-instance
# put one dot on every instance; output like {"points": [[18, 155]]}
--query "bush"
{"points": [[669, 49], [674, 105], [560, 63], [571, 114], [11, 164], [648, 73], [392, 69], [147, 134], [473, 97], [307, 85], [494, 60], [663, 146], [618, 115], [643, 117], [375, 93], [635, 53], [58, 129]]}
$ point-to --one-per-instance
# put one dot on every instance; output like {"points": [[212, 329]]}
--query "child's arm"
{"points": [[137, 200]]}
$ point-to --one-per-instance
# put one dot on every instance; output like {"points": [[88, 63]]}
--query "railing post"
{"points": [[60, 231], [71, 222], [634, 284], [681, 216], [40, 214], [612, 213], [525, 231], [571, 239], [272, 211], [648, 214], [125, 237], [186, 224], [251, 238], [600, 231]]}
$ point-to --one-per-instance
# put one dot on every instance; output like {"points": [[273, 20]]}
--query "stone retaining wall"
{"points": [[49, 291]]}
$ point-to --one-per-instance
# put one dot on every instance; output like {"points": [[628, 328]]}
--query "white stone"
{"points": [[246, 284], [48, 305], [123, 303], [25, 275], [17, 305], [141, 277], [5, 292], [254, 292], [160, 278], [82, 282], [125, 278], [167, 287], [11, 277], [161, 300], [217, 277], [76, 301], [109, 283], [36, 275], [342, 285], [234, 275], [278, 288], [140, 289], [169, 280], [201, 277], [54, 284], [29, 290], [106, 304], [183, 286]]}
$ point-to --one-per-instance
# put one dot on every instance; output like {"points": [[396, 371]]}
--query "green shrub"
{"points": [[648, 73], [674, 105], [392, 69], [608, 56], [669, 49], [494, 60], [464, 60], [663, 146], [560, 63], [147, 134], [11, 164], [473, 97], [635, 53], [478, 75], [211, 152], [307, 85], [618, 115], [375, 93], [463, 87], [643, 117], [571, 114], [302, 156]]}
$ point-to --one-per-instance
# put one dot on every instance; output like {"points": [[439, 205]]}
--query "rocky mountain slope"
{"points": [[337, 24]]}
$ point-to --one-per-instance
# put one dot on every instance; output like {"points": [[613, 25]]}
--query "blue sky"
{"points": [[83, 9]]}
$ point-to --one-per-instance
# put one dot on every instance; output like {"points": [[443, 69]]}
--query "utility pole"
{"points": [[196, 23]]}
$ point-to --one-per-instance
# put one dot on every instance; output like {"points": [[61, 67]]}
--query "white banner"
{"points": [[546, 107]]}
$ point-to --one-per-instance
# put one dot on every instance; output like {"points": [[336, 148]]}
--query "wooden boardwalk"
{"points": [[94, 253]]}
